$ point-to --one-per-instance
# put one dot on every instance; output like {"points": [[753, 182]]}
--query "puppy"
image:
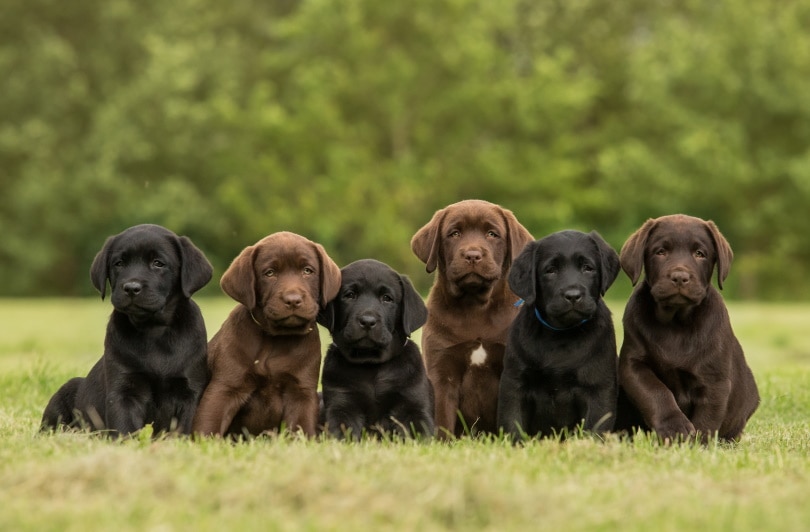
{"points": [[153, 368], [682, 372], [266, 357], [374, 378], [560, 362], [470, 308]]}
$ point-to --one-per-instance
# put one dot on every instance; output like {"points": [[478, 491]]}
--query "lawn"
{"points": [[80, 482]]}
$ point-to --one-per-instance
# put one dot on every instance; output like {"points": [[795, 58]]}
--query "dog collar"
{"points": [[557, 329]]}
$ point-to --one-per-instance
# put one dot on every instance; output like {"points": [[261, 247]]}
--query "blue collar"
{"points": [[549, 326]]}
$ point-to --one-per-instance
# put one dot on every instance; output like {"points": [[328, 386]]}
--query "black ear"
{"points": [[99, 270], [609, 262], [195, 271], [326, 316], [414, 311], [521, 276]]}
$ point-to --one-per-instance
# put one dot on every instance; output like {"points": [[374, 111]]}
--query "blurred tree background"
{"points": [[352, 121]]}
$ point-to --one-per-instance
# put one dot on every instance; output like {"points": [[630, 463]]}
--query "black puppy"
{"points": [[154, 365], [560, 361], [374, 378]]}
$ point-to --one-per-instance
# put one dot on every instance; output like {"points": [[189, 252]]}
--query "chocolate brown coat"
{"points": [[682, 372], [471, 244], [265, 359]]}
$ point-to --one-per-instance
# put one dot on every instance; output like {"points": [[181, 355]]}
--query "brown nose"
{"points": [[679, 278], [292, 300], [472, 256]]}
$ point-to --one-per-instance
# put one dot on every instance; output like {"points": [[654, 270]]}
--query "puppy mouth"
{"points": [[677, 297], [364, 355], [475, 280]]}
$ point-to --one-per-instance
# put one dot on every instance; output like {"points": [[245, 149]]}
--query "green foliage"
{"points": [[351, 122]]}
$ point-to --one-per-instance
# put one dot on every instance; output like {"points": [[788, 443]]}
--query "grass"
{"points": [[80, 482]]}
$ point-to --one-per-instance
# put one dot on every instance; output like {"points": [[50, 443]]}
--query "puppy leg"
{"points": [[600, 413], [710, 408], [447, 406], [511, 416], [219, 405], [60, 409], [301, 411]]}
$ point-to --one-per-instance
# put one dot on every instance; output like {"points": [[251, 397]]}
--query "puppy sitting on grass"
{"points": [[560, 361], [374, 379]]}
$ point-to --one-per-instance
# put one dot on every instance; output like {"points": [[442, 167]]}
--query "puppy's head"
{"points": [[472, 243], [374, 313], [678, 254], [564, 274], [284, 280], [148, 268]]}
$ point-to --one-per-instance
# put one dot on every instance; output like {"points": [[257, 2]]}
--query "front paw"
{"points": [[675, 428]]}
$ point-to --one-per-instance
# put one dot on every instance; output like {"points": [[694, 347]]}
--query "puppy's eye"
{"points": [[308, 271], [158, 263], [699, 254], [551, 270], [269, 273], [587, 268], [387, 299], [492, 234], [661, 252], [455, 234], [349, 295], [118, 264]]}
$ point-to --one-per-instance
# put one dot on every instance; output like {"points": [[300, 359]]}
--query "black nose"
{"points": [[573, 295], [679, 278], [472, 256], [132, 288], [366, 321]]}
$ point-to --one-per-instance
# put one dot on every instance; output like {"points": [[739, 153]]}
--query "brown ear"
{"points": [[239, 280], [330, 276], [426, 243], [724, 253], [632, 253], [517, 237]]}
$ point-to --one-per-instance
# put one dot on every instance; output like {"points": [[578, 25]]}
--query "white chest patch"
{"points": [[478, 356]]}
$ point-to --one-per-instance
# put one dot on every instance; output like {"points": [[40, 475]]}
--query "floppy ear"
{"points": [[330, 276], [609, 262], [426, 243], [522, 277], [195, 271], [414, 311], [724, 253], [517, 237], [326, 316], [239, 280], [632, 253], [99, 270]]}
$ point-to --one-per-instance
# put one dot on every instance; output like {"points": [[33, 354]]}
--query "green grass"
{"points": [[79, 482]]}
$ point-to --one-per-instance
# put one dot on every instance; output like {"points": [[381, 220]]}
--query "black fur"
{"points": [[154, 365], [374, 379], [561, 373]]}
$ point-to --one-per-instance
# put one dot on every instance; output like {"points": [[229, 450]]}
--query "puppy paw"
{"points": [[674, 429]]}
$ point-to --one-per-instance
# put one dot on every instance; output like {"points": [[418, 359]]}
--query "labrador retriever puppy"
{"points": [[560, 362], [266, 357], [472, 244], [374, 378], [682, 372], [153, 368]]}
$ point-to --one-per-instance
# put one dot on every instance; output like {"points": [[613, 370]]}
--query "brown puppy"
{"points": [[472, 244], [266, 357], [682, 371]]}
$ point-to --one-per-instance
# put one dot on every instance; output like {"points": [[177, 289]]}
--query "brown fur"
{"points": [[682, 371], [265, 359], [472, 244]]}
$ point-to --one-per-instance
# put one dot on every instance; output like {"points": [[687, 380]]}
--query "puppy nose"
{"points": [[292, 300], [573, 295], [367, 322], [679, 278], [132, 288], [472, 256]]}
